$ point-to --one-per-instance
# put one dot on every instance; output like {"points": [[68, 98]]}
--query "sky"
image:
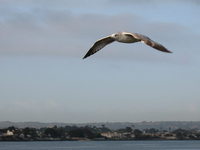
{"points": [[44, 78]]}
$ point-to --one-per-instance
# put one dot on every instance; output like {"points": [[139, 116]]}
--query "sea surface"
{"points": [[102, 145]]}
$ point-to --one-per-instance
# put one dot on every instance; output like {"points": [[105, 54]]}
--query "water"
{"points": [[102, 145]]}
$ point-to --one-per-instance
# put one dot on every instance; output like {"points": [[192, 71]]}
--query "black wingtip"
{"points": [[169, 51], [165, 50], [85, 56]]}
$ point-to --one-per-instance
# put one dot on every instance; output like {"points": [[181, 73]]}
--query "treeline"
{"points": [[52, 133], [94, 133]]}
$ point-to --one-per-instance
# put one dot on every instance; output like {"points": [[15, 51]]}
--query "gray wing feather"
{"points": [[151, 43], [99, 45]]}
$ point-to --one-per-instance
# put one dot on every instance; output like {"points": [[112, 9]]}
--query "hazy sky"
{"points": [[44, 78]]}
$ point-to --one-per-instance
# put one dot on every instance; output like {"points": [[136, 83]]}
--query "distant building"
{"points": [[8, 133], [117, 135], [112, 135]]}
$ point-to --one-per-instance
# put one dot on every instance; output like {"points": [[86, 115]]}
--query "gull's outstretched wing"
{"points": [[99, 45], [150, 42]]}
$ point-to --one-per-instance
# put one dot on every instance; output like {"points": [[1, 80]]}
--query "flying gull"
{"points": [[125, 37]]}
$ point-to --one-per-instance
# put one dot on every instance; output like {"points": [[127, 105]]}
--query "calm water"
{"points": [[102, 145]]}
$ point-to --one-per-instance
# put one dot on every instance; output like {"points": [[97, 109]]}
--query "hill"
{"points": [[161, 125]]}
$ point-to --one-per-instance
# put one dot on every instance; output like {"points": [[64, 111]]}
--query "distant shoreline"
{"points": [[102, 132]]}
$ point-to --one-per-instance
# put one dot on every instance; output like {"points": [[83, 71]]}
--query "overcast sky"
{"points": [[44, 78]]}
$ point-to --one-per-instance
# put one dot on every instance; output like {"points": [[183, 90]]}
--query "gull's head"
{"points": [[115, 35]]}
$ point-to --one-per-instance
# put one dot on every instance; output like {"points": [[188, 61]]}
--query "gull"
{"points": [[124, 37]]}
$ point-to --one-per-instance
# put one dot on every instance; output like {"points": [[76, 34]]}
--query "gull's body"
{"points": [[125, 37]]}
